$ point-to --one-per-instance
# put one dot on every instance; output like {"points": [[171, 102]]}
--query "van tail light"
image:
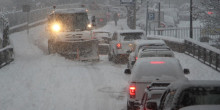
{"points": [[132, 90], [118, 45], [136, 58]]}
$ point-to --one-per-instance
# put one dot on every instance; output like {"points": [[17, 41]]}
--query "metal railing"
{"points": [[206, 54], [183, 33]]}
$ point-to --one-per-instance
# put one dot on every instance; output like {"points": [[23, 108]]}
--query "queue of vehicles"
{"points": [[153, 67], [157, 80]]}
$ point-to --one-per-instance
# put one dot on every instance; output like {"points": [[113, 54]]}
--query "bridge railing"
{"points": [[183, 33], [203, 52]]}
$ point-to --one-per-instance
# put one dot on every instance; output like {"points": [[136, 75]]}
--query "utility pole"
{"points": [[147, 18], [169, 3], [134, 22], [191, 22], [159, 18]]}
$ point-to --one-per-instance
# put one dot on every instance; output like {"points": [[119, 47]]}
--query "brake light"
{"points": [[136, 58], [157, 62], [132, 90], [118, 46]]}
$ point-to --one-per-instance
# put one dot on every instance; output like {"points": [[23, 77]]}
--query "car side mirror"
{"points": [[133, 62], [186, 71], [152, 105], [127, 71]]}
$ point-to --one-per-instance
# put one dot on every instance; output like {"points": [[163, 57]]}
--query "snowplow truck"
{"points": [[70, 35], [6, 49]]}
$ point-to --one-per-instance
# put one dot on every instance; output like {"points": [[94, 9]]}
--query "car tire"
{"points": [[109, 57], [128, 107], [128, 65], [115, 59], [51, 48], [11, 55]]}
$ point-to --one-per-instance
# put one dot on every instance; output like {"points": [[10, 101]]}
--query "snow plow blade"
{"points": [[83, 50]]}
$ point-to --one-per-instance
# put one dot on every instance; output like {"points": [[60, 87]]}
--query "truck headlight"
{"points": [[89, 26], [56, 27]]}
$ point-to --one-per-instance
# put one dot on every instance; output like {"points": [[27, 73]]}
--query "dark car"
{"points": [[153, 92], [189, 93]]}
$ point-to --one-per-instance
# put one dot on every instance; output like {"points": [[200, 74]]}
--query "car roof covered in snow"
{"points": [[140, 43], [70, 11], [157, 69], [130, 31], [163, 47], [149, 42]]}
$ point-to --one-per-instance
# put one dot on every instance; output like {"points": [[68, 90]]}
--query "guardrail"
{"points": [[203, 52]]}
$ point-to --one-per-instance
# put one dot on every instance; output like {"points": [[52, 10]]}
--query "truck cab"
{"points": [[70, 34]]}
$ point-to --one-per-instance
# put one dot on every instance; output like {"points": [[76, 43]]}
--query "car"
{"points": [[119, 45], [153, 92], [155, 52], [180, 95], [148, 70], [103, 38], [138, 44]]}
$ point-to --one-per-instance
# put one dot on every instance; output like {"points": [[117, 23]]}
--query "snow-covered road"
{"points": [[38, 81]]}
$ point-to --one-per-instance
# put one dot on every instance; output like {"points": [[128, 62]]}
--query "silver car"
{"points": [[140, 44], [120, 44], [148, 70]]}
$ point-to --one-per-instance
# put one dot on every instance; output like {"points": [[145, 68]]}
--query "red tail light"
{"points": [[136, 58], [132, 90], [118, 46], [101, 20], [157, 62]]}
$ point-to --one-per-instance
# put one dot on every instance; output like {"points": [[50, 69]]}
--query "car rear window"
{"points": [[131, 36]]}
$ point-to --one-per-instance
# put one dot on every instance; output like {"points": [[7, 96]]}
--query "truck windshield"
{"points": [[71, 22]]}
